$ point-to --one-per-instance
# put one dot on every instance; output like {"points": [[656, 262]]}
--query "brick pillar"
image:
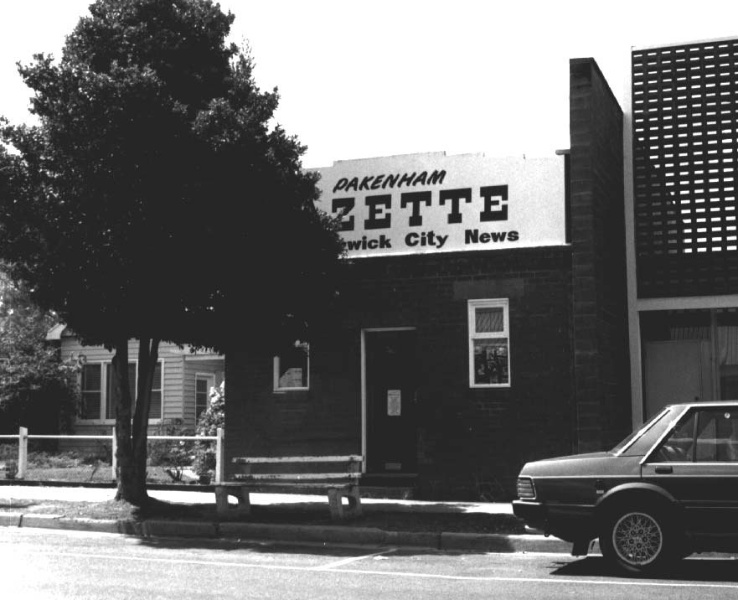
{"points": [[599, 323]]}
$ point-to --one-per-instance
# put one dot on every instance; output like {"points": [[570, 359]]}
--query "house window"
{"points": [[91, 386], [291, 368], [99, 395], [157, 393], [489, 343], [203, 383], [110, 392]]}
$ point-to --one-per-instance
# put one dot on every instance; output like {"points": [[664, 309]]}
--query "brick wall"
{"points": [[466, 435], [602, 389]]}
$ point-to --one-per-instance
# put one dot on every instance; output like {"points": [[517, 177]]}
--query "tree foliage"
{"points": [[158, 200], [37, 390]]}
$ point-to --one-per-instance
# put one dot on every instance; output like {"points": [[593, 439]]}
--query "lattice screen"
{"points": [[685, 153]]}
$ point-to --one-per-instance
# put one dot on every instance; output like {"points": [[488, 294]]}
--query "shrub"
{"points": [[37, 389], [44, 460], [176, 455], [8, 451], [11, 469], [210, 420], [103, 454]]}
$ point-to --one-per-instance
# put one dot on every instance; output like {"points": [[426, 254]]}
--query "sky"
{"points": [[362, 79]]}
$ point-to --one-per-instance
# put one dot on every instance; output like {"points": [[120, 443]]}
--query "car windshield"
{"points": [[640, 431]]}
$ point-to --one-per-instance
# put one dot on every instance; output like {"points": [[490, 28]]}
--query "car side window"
{"points": [[679, 445], [717, 436], [707, 435]]}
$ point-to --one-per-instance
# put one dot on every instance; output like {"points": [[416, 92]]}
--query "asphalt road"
{"points": [[50, 564]]}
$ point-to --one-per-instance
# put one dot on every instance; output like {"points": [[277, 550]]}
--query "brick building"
{"points": [[483, 320]]}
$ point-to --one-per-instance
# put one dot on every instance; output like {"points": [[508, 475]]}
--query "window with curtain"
{"points": [[489, 343], [726, 330]]}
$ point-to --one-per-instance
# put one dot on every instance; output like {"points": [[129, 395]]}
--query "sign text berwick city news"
{"points": [[379, 209]]}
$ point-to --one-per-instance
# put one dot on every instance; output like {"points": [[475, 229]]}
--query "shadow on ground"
{"points": [[452, 518], [721, 568], [387, 516], [335, 550]]}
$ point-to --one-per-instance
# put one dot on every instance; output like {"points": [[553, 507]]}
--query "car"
{"points": [[668, 490]]}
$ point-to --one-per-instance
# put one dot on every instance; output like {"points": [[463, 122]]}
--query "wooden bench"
{"points": [[284, 475]]}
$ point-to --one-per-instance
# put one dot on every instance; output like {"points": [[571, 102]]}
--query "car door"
{"points": [[697, 463]]}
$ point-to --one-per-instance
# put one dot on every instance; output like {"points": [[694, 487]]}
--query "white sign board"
{"points": [[425, 203], [394, 403]]}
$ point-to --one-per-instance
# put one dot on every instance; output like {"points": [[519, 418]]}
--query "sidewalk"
{"points": [[22, 495]]}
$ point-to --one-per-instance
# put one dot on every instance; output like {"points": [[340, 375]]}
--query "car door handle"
{"points": [[664, 470]]}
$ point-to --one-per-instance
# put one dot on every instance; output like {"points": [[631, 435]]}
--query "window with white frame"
{"points": [[157, 393], [91, 386], [99, 395], [292, 368], [489, 343], [203, 383]]}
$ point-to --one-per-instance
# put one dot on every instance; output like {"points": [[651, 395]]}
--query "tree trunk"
{"points": [[124, 455], [131, 427]]}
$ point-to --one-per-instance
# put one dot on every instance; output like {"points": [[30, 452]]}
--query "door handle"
{"points": [[664, 470]]}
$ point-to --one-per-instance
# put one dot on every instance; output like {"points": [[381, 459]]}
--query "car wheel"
{"points": [[639, 540]]}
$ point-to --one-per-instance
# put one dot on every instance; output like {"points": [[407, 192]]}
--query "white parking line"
{"points": [[348, 561]]}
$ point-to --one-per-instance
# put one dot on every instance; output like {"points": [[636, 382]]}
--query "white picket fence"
{"points": [[23, 437]]}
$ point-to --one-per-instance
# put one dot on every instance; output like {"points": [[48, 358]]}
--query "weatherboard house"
{"points": [[483, 320], [180, 392]]}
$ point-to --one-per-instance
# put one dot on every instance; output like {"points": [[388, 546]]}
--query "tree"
{"points": [[37, 390], [156, 200]]}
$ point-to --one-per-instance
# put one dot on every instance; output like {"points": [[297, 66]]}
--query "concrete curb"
{"points": [[60, 522], [10, 519], [354, 536]]}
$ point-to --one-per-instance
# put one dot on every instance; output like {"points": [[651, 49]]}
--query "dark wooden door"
{"points": [[391, 444]]}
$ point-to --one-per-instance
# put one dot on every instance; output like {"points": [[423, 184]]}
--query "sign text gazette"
{"points": [[436, 203]]}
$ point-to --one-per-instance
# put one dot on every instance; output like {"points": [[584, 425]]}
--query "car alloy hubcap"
{"points": [[637, 538]]}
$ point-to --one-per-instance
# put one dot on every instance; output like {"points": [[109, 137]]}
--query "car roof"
{"points": [[715, 403]]}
